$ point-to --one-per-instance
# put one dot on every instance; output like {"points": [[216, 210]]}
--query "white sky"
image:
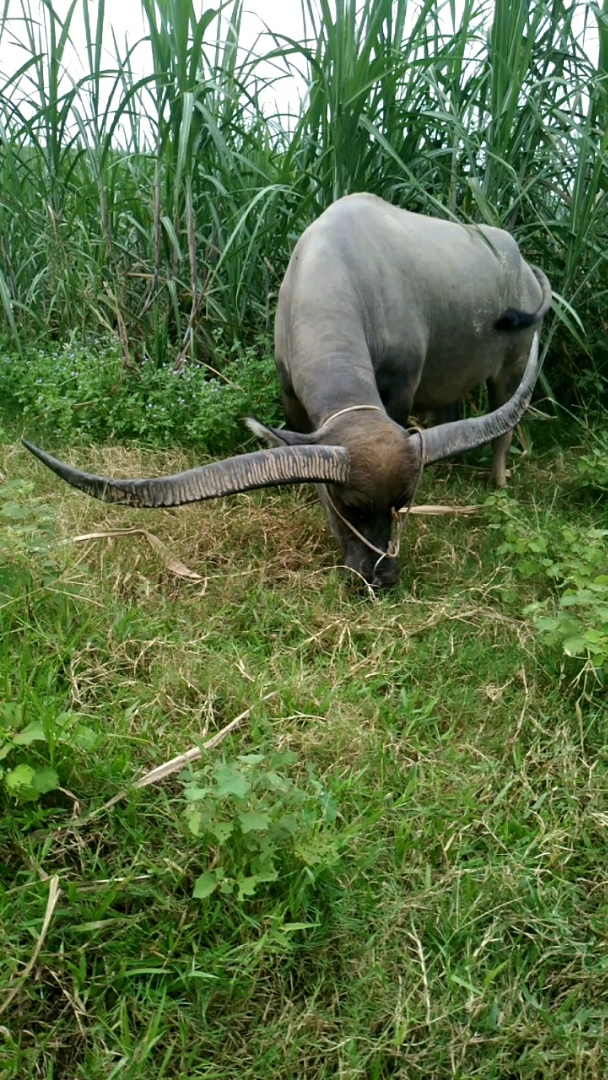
{"points": [[125, 19]]}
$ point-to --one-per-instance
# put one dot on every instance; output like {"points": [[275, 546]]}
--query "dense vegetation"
{"points": [[394, 865], [164, 207]]}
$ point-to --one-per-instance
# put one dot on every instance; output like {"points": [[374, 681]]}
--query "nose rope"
{"points": [[392, 551], [394, 546], [360, 536]]}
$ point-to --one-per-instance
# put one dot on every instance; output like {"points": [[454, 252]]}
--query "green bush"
{"points": [[28, 749], [571, 612], [76, 392], [593, 468], [27, 538]]}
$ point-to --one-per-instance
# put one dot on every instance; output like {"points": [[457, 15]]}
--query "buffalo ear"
{"points": [[278, 436]]}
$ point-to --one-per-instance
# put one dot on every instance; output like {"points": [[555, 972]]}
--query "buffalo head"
{"points": [[367, 468]]}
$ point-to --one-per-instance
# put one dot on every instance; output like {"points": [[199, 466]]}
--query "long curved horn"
{"points": [[514, 319], [448, 439], [264, 468]]}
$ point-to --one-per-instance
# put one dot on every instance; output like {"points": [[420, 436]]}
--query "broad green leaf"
{"points": [[265, 870], [317, 851], [34, 732], [64, 719], [20, 777], [205, 885], [527, 568], [253, 821], [280, 783], [15, 488], [45, 779], [287, 824], [598, 648], [197, 821], [84, 738], [230, 781], [509, 596], [247, 886], [11, 714], [15, 513], [193, 793], [575, 646], [281, 758], [222, 830]]}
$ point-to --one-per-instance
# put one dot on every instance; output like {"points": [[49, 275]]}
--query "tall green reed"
{"points": [[163, 207]]}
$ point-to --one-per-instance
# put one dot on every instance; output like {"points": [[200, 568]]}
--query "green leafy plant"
{"points": [[573, 561], [27, 532], [593, 468], [256, 823], [26, 781], [77, 391], [31, 727], [26, 769]]}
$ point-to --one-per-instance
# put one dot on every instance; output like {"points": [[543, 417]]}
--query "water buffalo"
{"points": [[381, 312]]}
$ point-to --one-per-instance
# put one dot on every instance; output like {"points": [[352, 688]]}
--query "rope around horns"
{"points": [[352, 408]]}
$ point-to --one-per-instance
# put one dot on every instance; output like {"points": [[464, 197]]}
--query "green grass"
{"points": [[436, 902], [451, 921]]}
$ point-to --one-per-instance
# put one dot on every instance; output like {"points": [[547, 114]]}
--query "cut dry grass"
{"points": [[460, 930]]}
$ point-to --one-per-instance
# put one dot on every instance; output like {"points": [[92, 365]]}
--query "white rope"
{"points": [[351, 408], [360, 536]]}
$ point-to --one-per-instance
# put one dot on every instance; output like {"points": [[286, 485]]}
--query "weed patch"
{"points": [[86, 393], [573, 561]]}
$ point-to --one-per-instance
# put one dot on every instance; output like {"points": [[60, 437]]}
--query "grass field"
{"points": [[439, 902], [392, 862]]}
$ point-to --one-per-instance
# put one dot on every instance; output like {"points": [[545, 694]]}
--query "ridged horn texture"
{"points": [[264, 468], [545, 285], [445, 440]]}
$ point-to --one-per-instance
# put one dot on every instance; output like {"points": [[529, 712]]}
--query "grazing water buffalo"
{"points": [[381, 311]]}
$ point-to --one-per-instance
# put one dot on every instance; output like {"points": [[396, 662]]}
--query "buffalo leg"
{"points": [[397, 400], [295, 414]]}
